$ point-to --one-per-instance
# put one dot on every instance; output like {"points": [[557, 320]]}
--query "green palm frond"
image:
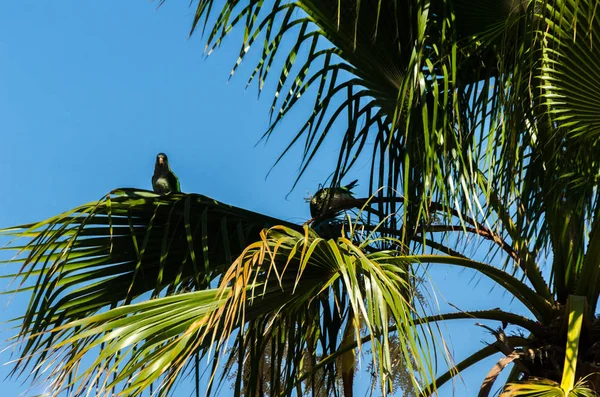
{"points": [[570, 69], [443, 92], [272, 288], [131, 244], [544, 388], [369, 61], [367, 288], [129, 347]]}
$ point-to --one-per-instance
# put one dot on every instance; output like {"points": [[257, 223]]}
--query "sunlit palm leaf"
{"points": [[129, 347], [544, 388], [307, 266], [274, 288], [377, 287], [268, 292]]}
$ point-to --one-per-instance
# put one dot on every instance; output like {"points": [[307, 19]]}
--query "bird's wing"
{"points": [[174, 181]]}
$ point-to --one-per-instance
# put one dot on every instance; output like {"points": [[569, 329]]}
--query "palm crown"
{"points": [[483, 120]]}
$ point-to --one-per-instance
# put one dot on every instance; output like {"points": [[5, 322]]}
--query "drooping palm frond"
{"points": [[273, 289], [370, 61], [290, 290], [131, 244], [445, 92]]}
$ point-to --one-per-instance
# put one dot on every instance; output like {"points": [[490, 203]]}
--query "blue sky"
{"points": [[91, 91]]}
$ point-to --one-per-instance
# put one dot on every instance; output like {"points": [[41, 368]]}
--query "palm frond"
{"points": [[544, 388], [363, 289], [370, 61], [444, 92], [129, 245], [270, 289]]}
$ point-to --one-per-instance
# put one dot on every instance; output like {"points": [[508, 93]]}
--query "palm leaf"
{"points": [[544, 388], [131, 244], [269, 290]]}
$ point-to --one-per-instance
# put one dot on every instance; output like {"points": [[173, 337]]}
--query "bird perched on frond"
{"points": [[327, 202], [164, 181]]}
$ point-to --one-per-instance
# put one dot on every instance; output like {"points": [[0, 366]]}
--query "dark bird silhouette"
{"points": [[164, 181], [328, 202]]}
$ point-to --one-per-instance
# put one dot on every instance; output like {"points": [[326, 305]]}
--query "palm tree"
{"points": [[483, 122]]}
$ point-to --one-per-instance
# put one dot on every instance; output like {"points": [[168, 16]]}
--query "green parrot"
{"points": [[164, 181], [327, 202]]}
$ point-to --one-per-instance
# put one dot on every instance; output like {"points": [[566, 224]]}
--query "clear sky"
{"points": [[90, 91]]}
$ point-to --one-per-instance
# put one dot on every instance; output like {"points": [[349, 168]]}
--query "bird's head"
{"points": [[162, 160]]}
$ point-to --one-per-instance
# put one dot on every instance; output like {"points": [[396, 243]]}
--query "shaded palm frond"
{"points": [[570, 95], [131, 244]]}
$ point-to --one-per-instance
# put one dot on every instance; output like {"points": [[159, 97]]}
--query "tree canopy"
{"points": [[481, 123]]}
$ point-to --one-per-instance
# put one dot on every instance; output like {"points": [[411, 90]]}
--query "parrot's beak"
{"points": [[161, 160]]}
